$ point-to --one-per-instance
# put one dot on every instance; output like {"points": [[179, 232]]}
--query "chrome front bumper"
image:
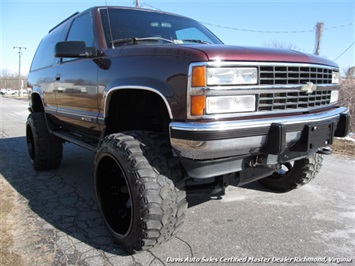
{"points": [[214, 140]]}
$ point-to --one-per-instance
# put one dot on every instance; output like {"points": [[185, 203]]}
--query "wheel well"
{"points": [[36, 103], [136, 110]]}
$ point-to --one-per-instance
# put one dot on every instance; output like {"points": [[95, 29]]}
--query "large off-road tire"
{"points": [[140, 189], [294, 175], [44, 149]]}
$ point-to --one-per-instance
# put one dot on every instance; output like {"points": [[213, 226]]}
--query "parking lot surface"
{"points": [[54, 219]]}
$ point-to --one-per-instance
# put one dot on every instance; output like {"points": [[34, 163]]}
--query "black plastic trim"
{"points": [[343, 126], [276, 140]]}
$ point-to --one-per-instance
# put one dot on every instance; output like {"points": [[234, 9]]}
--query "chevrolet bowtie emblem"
{"points": [[309, 87]]}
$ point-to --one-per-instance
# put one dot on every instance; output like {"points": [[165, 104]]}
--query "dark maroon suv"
{"points": [[169, 109]]}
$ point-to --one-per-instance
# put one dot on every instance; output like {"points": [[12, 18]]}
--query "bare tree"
{"points": [[281, 45], [350, 73], [9, 80], [6, 73], [347, 94]]}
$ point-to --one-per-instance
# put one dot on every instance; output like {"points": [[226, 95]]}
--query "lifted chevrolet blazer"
{"points": [[169, 109]]}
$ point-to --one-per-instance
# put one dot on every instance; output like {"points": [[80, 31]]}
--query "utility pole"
{"points": [[137, 3], [319, 33], [19, 67]]}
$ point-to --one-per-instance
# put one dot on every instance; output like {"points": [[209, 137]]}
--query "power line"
{"points": [[345, 50], [337, 27], [269, 31], [249, 30]]}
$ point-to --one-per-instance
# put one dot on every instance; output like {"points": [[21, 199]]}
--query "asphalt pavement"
{"points": [[55, 219]]}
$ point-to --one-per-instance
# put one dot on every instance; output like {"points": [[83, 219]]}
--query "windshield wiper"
{"points": [[137, 40], [125, 41], [128, 41], [196, 41], [155, 39]]}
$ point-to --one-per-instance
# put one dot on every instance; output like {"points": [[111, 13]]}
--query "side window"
{"points": [[81, 30], [44, 56]]}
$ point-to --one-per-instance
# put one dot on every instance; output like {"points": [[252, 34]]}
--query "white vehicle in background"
{"points": [[10, 92]]}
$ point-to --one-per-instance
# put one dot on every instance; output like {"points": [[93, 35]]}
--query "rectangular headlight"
{"points": [[334, 96], [335, 77], [230, 104], [232, 76]]}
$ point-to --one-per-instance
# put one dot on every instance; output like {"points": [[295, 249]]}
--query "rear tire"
{"points": [[291, 176], [44, 148], [139, 189]]}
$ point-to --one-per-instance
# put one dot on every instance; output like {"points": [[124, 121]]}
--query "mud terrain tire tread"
{"points": [[45, 149], [301, 173], [155, 182]]}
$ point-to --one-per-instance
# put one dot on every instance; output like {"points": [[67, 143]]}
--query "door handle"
{"points": [[57, 77]]}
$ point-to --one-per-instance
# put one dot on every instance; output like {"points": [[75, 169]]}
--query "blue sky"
{"points": [[254, 23]]}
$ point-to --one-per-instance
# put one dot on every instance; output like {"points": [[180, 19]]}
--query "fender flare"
{"points": [[38, 95], [107, 97]]}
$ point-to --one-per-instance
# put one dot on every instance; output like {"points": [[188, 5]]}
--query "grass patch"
{"points": [[344, 147], [7, 258]]}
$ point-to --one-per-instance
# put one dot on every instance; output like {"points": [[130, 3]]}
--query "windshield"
{"points": [[146, 27]]}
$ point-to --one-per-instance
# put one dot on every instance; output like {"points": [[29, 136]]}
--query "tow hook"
{"points": [[325, 150]]}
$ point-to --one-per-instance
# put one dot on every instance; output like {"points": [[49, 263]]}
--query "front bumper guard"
{"points": [[217, 143], [214, 140]]}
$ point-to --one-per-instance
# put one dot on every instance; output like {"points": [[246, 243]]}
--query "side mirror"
{"points": [[72, 49]]}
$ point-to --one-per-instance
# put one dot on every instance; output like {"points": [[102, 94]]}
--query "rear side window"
{"points": [[44, 56], [81, 30]]}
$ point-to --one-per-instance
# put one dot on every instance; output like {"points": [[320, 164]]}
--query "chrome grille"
{"points": [[292, 100], [279, 75]]}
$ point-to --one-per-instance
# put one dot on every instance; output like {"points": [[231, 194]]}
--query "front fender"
{"points": [[145, 82], [110, 92]]}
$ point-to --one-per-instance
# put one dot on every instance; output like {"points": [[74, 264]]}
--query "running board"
{"points": [[91, 146]]}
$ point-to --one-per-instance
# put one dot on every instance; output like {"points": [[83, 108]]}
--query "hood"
{"points": [[212, 52], [239, 53]]}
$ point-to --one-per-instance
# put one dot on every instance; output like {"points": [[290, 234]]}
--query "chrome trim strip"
{"points": [[51, 109], [101, 119], [108, 95], [263, 87], [255, 123], [89, 117], [216, 149], [217, 63]]}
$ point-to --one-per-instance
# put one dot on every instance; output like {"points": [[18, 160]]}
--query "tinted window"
{"points": [[44, 56], [81, 30], [191, 34], [127, 23]]}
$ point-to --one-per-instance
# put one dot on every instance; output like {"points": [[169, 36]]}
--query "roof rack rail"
{"points": [[64, 21]]}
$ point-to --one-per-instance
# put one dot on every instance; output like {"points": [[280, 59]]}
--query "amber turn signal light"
{"points": [[198, 78], [198, 104]]}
